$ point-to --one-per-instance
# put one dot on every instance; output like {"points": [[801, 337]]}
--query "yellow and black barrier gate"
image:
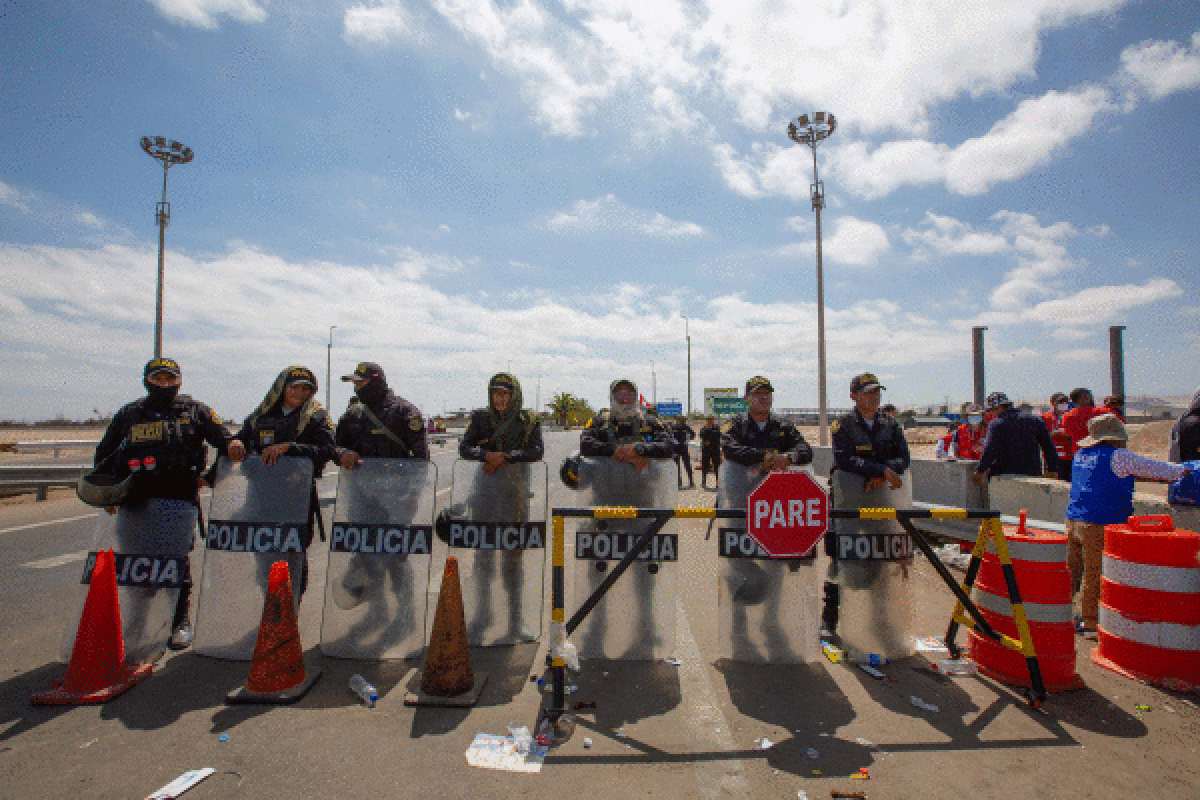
{"points": [[989, 530]]}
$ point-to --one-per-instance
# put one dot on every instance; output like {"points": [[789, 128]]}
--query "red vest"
{"points": [[970, 441]]}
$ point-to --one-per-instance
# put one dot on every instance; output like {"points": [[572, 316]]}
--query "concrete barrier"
{"points": [[949, 483]]}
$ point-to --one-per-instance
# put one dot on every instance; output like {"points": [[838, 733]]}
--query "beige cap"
{"points": [[1104, 428]]}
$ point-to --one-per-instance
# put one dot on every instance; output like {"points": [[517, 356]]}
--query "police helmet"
{"points": [[101, 489], [569, 472]]}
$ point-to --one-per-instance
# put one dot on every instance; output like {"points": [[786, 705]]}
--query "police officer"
{"points": [[759, 438], [869, 443], [710, 451], [503, 432], [290, 422], [683, 433], [624, 432], [380, 424], [169, 430]]}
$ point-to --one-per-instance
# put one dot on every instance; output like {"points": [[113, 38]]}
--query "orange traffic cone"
{"points": [[97, 671], [448, 678], [277, 671]]}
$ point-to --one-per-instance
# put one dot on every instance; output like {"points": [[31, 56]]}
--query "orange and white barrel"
{"points": [[1150, 603], [1039, 561]]}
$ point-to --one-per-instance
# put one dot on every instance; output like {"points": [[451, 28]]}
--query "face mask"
{"points": [[974, 419], [1060, 406]]}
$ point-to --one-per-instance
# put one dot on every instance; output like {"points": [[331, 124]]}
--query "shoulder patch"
{"points": [[216, 418], [414, 424], [836, 426]]}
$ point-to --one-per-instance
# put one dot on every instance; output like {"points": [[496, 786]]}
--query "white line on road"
{"points": [[709, 727], [57, 561], [47, 522]]}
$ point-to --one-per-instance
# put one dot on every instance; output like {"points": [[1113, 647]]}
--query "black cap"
{"points": [[758, 382], [365, 372], [1057, 396], [865, 382], [162, 365], [300, 375]]}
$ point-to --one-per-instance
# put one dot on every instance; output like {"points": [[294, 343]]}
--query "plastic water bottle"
{"points": [[364, 690], [870, 659], [951, 666]]}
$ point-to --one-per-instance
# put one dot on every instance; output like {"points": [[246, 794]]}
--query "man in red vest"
{"points": [[1059, 405], [968, 438]]}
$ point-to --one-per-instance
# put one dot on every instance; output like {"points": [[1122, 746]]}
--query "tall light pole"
{"points": [[802, 131], [169, 153], [329, 367], [688, 336], [653, 386]]}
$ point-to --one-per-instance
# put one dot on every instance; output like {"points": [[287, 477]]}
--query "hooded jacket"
{"points": [[308, 428], [517, 432]]}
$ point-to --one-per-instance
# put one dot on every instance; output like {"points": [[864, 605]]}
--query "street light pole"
{"points": [[653, 386], [688, 336], [808, 133], [329, 366], [169, 153]]}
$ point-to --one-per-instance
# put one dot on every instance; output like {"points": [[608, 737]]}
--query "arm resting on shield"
{"points": [[594, 440], [659, 444], [114, 436], [901, 459], [469, 448], [533, 450], [733, 449], [799, 450], [846, 442]]}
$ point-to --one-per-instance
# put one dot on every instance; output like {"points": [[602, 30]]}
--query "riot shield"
{"points": [[150, 545], [259, 515], [379, 556], [636, 618], [498, 534], [766, 607], [873, 562]]}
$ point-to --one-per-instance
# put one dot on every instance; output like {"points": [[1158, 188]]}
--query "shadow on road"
{"points": [[17, 713]]}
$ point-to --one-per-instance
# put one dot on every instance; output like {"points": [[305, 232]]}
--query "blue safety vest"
{"points": [[1097, 495]]}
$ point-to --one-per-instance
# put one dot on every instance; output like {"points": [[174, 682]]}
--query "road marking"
{"points": [[49, 522], [710, 729], [57, 561]]}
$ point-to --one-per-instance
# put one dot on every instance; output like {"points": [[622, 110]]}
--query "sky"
{"points": [[568, 189]]}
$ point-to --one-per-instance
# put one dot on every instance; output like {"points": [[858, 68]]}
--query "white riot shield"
{"points": [[379, 556], [150, 545], [874, 559], [767, 608], [259, 515], [498, 534], [636, 618]]}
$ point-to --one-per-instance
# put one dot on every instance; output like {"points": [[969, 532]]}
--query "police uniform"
{"points": [[710, 450], [605, 433], [683, 433], [747, 443], [867, 450], [357, 432], [160, 441], [523, 443]]}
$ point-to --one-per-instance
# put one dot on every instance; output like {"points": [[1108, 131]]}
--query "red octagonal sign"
{"points": [[787, 514]]}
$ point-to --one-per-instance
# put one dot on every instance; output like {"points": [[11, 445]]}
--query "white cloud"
{"points": [[378, 24], [854, 242], [1160, 68], [946, 236], [1100, 305], [13, 197], [608, 213], [204, 13]]}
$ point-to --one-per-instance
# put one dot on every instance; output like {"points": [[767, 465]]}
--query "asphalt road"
{"points": [[658, 729]]}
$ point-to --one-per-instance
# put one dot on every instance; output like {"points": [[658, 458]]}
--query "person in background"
{"points": [[1013, 440], [945, 444], [1075, 420], [1102, 484], [1115, 404], [1060, 404], [889, 409], [1185, 434], [710, 452], [969, 437], [683, 433]]}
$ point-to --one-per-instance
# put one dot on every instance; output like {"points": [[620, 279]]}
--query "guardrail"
{"points": [[39, 479], [57, 445]]}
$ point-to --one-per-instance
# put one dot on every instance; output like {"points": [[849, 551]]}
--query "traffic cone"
{"points": [[277, 670], [448, 678], [97, 671]]}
